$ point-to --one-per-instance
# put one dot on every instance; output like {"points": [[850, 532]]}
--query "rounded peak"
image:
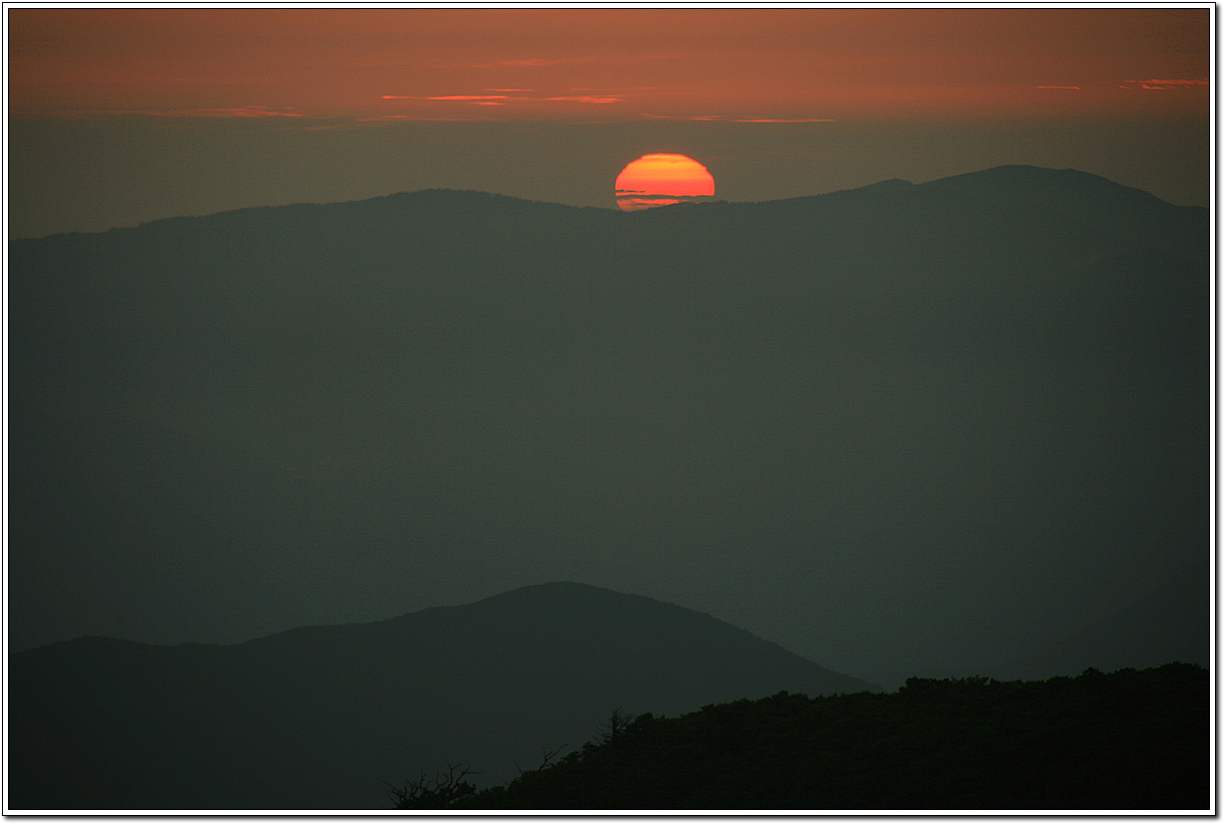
{"points": [[1022, 180], [561, 591], [890, 185]]}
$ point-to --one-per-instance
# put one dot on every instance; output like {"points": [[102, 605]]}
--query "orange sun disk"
{"points": [[662, 180]]}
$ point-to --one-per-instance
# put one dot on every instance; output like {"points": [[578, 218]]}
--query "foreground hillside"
{"points": [[1128, 740], [316, 718]]}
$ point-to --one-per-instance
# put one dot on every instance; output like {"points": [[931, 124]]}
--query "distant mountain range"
{"points": [[909, 428], [318, 717], [219, 423]]}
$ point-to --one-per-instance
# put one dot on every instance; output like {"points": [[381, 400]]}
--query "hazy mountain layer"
{"points": [[934, 425], [316, 718]]}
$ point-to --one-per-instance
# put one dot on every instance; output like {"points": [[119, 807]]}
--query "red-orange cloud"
{"points": [[785, 120], [467, 97], [587, 99], [1172, 82]]}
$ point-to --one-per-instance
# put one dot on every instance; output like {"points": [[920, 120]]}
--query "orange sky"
{"points": [[374, 65]]}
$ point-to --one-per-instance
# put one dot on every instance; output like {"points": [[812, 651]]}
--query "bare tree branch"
{"points": [[433, 794], [548, 757]]}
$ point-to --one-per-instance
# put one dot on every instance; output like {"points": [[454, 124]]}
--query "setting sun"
{"points": [[662, 180]]}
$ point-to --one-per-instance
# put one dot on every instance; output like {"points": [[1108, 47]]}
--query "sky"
{"points": [[119, 116]]}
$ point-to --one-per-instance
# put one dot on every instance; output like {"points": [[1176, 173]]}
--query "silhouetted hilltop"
{"points": [[1127, 740], [1067, 191], [1125, 214], [314, 718]]}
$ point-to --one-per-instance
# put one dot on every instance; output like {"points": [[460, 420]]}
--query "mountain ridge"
{"points": [[1024, 176], [194, 726]]}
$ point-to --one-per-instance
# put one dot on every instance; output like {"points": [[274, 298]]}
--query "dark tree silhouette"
{"points": [[611, 729], [433, 793]]}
